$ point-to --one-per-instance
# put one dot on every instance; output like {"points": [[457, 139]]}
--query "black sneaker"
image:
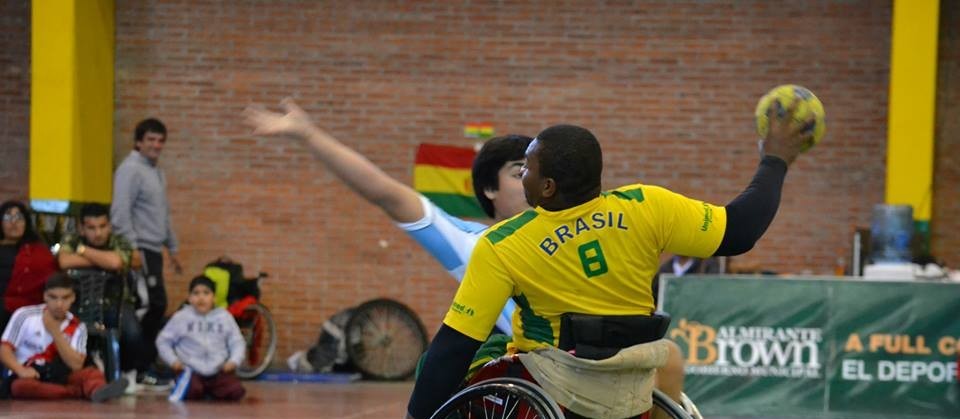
{"points": [[109, 391]]}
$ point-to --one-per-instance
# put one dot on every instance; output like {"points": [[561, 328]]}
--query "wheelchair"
{"points": [[513, 392], [260, 333], [240, 296], [99, 305]]}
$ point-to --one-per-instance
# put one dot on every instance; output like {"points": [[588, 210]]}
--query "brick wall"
{"points": [[946, 177], [668, 87], [14, 99]]}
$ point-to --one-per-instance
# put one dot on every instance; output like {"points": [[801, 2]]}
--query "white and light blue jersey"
{"points": [[451, 240]]}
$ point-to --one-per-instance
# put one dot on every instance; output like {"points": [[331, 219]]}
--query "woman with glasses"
{"points": [[25, 261]]}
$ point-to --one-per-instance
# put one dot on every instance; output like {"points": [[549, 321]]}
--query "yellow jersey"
{"points": [[596, 258]]}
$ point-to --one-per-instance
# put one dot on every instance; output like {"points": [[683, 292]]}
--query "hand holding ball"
{"points": [[807, 107]]}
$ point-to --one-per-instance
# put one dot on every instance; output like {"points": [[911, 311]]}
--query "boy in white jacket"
{"points": [[204, 344]]}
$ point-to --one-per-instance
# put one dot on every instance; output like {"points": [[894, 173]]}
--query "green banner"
{"points": [[817, 347]]}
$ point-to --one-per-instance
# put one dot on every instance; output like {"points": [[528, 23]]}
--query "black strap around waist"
{"points": [[600, 337]]}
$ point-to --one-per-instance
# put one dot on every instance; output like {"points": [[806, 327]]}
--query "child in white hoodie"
{"points": [[203, 343]]}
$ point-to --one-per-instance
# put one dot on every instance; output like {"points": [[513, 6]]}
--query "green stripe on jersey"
{"points": [[535, 328], [507, 228], [632, 194]]}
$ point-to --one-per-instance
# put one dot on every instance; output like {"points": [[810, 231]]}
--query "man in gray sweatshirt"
{"points": [[140, 212], [204, 343]]}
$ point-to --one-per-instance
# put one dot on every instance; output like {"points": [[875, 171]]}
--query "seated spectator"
{"points": [[97, 247], [203, 343], [44, 346], [25, 261]]}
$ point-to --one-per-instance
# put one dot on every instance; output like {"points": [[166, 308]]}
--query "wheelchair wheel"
{"points": [[385, 340], [504, 398], [690, 407], [260, 333], [521, 399], [668, 406]]}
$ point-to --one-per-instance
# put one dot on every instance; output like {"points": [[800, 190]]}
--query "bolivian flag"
{"points": [[482, 131], [442, 174]]}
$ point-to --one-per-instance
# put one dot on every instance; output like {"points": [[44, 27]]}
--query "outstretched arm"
{"points": [[399, 201], [750, 213]]}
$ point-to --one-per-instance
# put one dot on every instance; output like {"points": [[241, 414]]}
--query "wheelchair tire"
{"points": [[484, 399], [504, 398], [385, 339], [260, 333], [690, 407], [668, 406]]}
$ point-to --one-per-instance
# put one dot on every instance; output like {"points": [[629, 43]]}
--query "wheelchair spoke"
{"points": [[501, 398], [371, 322], [384, 323], [506, 414], [488, 409], [526, 414]]}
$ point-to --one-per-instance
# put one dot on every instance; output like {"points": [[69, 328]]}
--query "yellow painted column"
{"points": [[913, 95], [71, 102]]}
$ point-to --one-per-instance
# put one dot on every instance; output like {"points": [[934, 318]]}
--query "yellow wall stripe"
{"points": [[71, 100], [913, 89], [52, 88], [95, 51]]}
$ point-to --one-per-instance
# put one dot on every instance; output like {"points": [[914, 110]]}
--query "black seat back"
{"points": [[98, 295]]}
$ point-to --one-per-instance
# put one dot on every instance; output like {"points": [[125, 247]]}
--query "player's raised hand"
{"points": [[788, 136], [294, 121]]}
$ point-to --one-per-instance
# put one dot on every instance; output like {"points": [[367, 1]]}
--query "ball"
{"points": [[808, 106]]}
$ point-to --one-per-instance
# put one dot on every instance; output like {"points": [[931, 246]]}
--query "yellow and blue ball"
{"points": [[808, 106]]}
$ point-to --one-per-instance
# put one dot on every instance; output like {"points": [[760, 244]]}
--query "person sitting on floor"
{"points": [[203, 344], [44, 346]]}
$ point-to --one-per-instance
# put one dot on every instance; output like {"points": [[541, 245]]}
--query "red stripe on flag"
{"points": [[445, 155]]}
